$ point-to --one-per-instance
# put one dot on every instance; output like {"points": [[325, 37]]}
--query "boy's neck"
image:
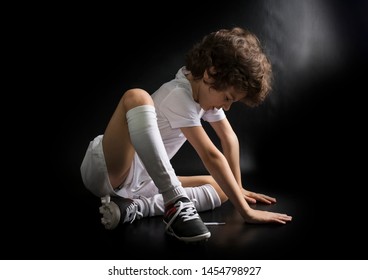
{"points": [[194, 85]]}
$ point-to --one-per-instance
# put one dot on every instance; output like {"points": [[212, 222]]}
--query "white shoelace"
{"points": [[132, 213], [185, 210]]}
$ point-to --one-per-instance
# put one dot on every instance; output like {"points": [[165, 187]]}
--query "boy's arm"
{"points": [[218, 166], [229, 145], [230, 148]]}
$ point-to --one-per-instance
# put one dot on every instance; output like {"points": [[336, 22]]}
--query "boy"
{"points": [[129, 165]]}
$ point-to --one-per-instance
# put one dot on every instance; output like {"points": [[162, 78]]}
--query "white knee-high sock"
{"points": [[147, 141], [204, 198]]}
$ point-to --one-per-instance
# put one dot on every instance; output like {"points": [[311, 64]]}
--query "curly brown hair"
{"points": [[236, 59]]}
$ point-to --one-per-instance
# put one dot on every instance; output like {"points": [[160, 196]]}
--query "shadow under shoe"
{"points": [[117, 210], [183, 222]]}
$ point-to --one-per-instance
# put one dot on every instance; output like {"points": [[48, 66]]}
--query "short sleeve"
{"points": [[214, 115], [179, 109]]}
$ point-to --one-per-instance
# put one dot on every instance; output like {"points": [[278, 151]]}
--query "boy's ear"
{"points": [[206, 76]]}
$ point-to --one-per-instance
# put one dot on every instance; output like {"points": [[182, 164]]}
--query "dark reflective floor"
{"points": [[69, 228], [146, 239]]}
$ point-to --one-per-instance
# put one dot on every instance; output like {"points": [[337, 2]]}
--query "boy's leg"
{"points": [[133, 127], [193, 181], [204, 198], [146, 139]]}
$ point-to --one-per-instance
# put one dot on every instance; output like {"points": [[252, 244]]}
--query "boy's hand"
{"points": [[252, 197], [262, 217]]}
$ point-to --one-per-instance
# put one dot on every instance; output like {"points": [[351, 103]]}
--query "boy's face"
{"points": [[209, 98]]}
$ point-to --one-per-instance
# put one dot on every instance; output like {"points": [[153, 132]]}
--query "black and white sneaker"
{"points": [[117, 210], [183, 222]]}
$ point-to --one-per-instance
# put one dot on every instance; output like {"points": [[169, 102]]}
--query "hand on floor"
{"points": [[262, 217], [252, 197]]}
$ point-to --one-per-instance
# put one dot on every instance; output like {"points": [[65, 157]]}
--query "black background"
{"points": [[73, 63]]}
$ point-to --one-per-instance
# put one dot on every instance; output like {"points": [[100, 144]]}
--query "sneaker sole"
{"points": [[204, 236], [110, 215]]}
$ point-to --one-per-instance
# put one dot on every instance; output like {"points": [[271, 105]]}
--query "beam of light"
{"points": [[301, 36]]}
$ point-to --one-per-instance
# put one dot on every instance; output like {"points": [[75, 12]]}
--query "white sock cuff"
{"points": [[171, 196], [214, 195], [204, 197], [138, 110]]}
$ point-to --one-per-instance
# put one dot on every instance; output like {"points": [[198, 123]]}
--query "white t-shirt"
{"points": [[176, 108]]}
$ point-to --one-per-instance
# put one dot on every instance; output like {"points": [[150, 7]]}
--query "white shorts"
{"points": [[96, 179]]}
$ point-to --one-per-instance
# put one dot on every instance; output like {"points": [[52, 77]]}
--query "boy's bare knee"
{"points": [[136, 97]]}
